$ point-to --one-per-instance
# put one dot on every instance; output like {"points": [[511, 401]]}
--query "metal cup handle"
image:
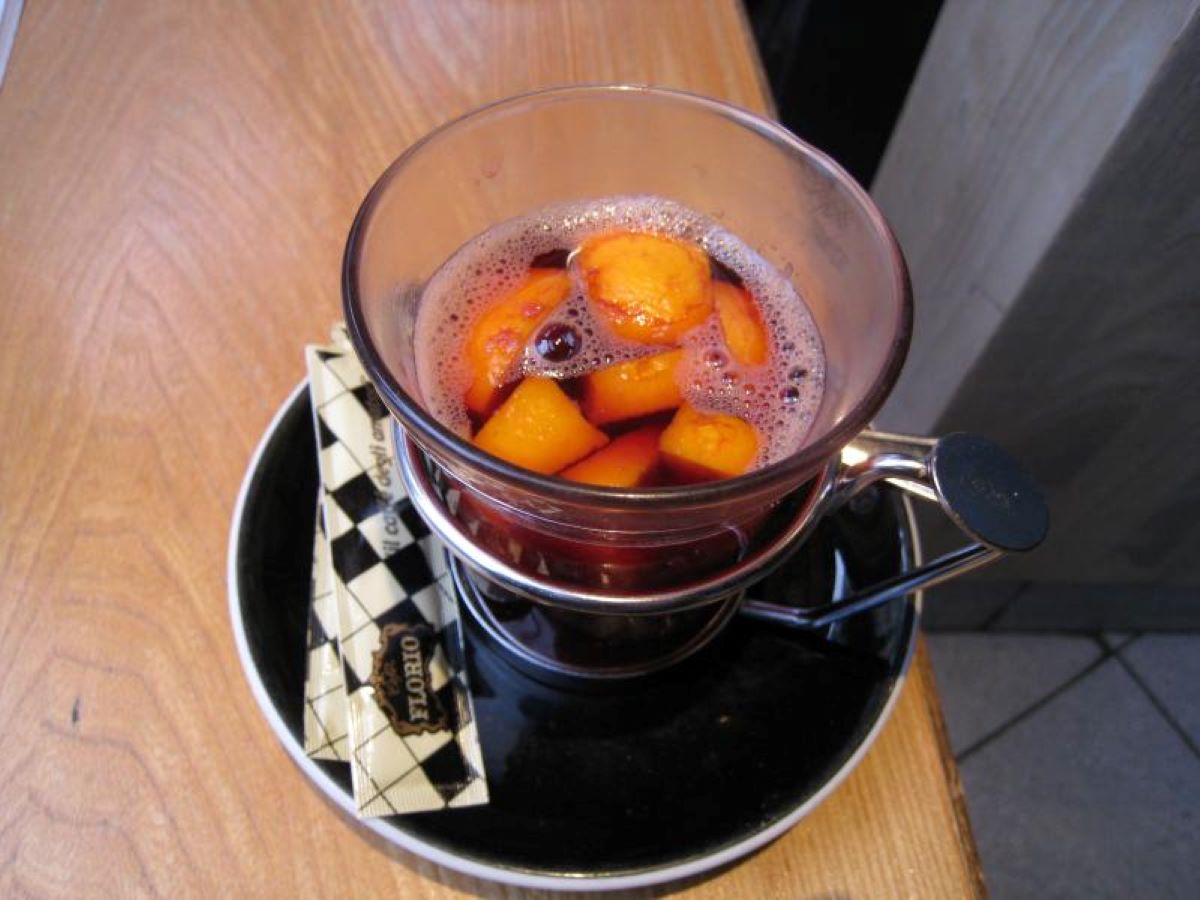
{"points": [[979, 486]]}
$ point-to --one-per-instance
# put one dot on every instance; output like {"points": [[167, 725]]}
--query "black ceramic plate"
{"points": [[659, 779]]}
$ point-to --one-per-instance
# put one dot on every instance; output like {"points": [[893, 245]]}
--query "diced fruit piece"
{"points": [[540, 428], [699, 446], [626, 462], [631, 389], [741, 324], [498, 336], [646, 287]]}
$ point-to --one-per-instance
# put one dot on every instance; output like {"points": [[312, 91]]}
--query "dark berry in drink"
{"points": [[557, 342]]}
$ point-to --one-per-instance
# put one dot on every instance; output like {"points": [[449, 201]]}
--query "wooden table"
{"points": [[176, 183]]}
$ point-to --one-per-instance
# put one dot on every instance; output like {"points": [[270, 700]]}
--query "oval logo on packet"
{"points": [[400, 676]]}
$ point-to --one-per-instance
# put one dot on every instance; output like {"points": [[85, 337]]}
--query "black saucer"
{"points": [[657, 779]]}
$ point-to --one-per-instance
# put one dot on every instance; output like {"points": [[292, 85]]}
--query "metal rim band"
{"points": [[421, 491]]}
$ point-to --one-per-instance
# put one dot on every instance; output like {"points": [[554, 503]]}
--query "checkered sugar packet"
{"points": [[325, 728], [412, 741]]}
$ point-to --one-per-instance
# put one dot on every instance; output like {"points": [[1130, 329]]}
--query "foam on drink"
{"points": [[779, 398]]}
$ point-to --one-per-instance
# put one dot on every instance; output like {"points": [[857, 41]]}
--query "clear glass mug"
{"points": [[656, 549]]}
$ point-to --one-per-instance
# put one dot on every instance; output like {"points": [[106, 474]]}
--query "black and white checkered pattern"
{"points": [[386, 567], [326, 734]]}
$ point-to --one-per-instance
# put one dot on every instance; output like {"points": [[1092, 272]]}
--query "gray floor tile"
{"points": [[1170, 666], [1094, 795], [986, 679]]}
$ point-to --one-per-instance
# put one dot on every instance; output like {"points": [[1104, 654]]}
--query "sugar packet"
{"points": [[326, 733], [325, 708], [412, 741]]}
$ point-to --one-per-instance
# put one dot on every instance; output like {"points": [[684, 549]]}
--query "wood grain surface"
{"points": [[1106, 335], [1013, 108], [1043, 181], [176, 182]]}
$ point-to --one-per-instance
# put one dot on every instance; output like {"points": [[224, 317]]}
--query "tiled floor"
{"points": [[1081, 759]]}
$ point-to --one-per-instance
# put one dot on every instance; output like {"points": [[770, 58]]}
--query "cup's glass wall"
{"points": [[790, 203]]}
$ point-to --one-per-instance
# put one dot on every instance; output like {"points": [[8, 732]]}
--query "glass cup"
{"points": [[580, 545]]}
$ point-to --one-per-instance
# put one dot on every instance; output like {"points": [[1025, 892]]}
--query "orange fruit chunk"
{"points": [[631, 389], [500, 333], [741, 324], [646, 287], [626, 462], [699, 446], [540, 428]]}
